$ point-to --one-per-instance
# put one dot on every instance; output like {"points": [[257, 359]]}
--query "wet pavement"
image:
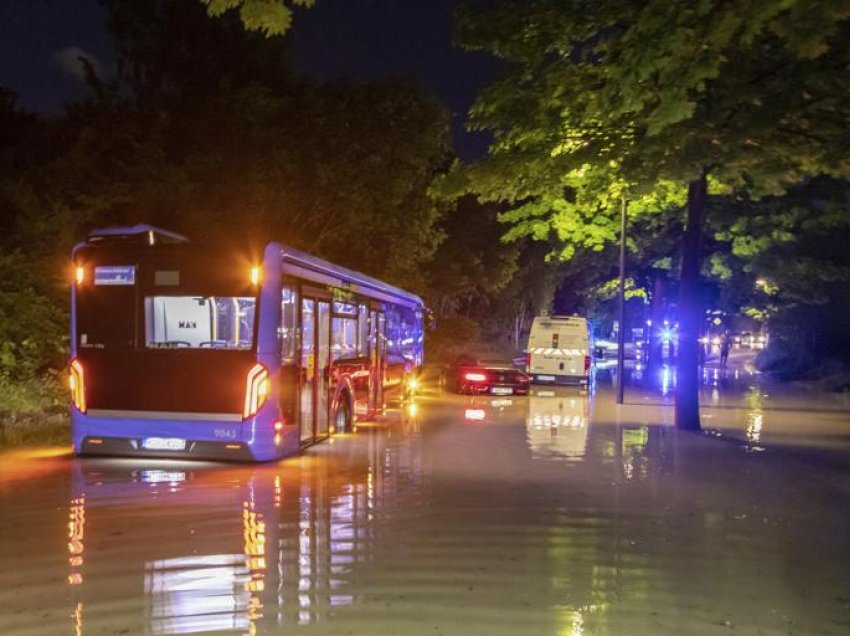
{"points": [[558, 514]]}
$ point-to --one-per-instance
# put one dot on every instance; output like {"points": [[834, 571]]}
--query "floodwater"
{"points": [[554, 514]]}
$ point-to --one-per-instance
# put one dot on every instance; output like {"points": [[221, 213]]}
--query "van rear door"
{"points": [[558, 347]]}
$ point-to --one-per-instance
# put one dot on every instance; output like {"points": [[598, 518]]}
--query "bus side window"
{"points": [[288, 322], [343, 338]]}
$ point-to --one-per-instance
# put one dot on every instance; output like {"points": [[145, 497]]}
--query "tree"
{"points": [[620, 98], [466, 271], [784, 260]]}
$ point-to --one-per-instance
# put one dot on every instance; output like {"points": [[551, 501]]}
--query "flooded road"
{"points": [[556, 514]]}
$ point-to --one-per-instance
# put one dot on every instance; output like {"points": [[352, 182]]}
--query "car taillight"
{"points": [[77, 384], [256, 390], [475, 376], [587, 364]]}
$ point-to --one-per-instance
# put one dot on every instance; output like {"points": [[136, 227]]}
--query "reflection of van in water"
{"points": [[557, 424], [558, 350]]}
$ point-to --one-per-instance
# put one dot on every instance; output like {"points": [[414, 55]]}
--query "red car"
{"points": [[487, 377]]}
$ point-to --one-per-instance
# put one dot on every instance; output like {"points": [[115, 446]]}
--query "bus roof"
{"points": [[316, 265], [146, 233], [145, 237]]}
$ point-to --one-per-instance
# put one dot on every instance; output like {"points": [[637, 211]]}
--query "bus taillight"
{"points": [[76, 381], [256, 390]]}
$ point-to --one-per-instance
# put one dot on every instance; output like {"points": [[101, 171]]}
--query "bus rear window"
{"points": [[199, 322]]}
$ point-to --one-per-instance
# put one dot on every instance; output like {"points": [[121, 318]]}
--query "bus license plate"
{"points": [[502, 390], [164, 443]]}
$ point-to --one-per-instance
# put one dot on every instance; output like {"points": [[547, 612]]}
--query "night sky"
{"points": [[360, 39]]}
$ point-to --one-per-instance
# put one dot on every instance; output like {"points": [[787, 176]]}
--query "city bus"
{"points": [[185, 350]]}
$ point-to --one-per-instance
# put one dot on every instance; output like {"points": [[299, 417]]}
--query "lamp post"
{"points": [[621, 332]]}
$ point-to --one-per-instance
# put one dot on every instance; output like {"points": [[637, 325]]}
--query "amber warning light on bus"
{"points": [[256, 390], [79, 274], [256, 273], [76, 382]]}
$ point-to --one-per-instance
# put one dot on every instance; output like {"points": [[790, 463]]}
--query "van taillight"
{"points": [[528, 363], [77, 384], [587, 364], [256, 390]]}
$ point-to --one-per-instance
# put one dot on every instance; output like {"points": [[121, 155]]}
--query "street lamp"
{"points": [[621, 334]]}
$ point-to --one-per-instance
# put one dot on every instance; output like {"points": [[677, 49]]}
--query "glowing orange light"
{"points": [[233, 446], [255, 275], [278, 426], [80, 274], [95, 441], [256, 390], [77, 384]]}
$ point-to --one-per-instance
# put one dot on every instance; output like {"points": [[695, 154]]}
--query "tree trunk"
{"points": [[690, 311]]}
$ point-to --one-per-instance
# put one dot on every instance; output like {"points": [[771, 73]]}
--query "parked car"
{"points": [[472, 375]]}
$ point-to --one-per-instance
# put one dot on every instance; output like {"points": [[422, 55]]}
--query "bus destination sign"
{"points": [[115, 275]]}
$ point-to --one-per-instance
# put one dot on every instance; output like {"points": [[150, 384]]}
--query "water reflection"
{"points": [[239, 549], [634, 459], [557, 423], [555, 514], [755, 417]]}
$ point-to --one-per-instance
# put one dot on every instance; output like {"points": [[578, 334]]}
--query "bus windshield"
{"points": [[199, 322]]}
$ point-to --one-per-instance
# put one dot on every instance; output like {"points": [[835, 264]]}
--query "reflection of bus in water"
{"points": [[181, 350], [557, 423], [224, 549]]}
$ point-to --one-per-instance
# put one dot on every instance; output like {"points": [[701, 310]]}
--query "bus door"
{"points": [[308, 369], [377, 352], [323, 374], [315, 369]]}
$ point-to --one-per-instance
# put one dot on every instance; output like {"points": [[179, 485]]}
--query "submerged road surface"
{"points": [[554, 514]]}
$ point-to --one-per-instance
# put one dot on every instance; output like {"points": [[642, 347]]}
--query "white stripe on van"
{"points": [[557, 352]]}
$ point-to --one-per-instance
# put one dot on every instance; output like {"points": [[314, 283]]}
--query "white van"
{"points": [[558, 350]]}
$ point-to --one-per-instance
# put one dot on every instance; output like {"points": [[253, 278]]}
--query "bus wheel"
{"points": [[342, 418]]}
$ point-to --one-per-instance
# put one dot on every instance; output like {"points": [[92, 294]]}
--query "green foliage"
{"points": [[791, 249], [32, 396], [270, 17], [32, 324], [611, 98], [609, 290]]}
